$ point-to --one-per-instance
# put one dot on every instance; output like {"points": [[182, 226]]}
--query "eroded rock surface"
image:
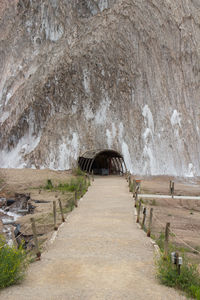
{"points": [[121, 74]]}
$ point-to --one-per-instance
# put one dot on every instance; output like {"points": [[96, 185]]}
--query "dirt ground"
{"points": [[183, 215], [160, 185], [32, 181], [99, 253], [20, 180]]}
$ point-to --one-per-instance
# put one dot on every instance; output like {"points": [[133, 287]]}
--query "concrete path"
{"points": [[168, 197], [99, 253]]}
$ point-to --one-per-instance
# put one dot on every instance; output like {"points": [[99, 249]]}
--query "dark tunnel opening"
{"points": [[102, 162]]}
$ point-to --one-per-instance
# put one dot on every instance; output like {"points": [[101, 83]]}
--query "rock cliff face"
{"points": [[87, 74]]}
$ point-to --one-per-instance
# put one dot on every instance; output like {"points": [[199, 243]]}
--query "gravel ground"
{"points": [[99, 253]]}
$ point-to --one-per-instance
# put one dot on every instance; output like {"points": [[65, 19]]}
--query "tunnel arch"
{"points": [[102, 162]]}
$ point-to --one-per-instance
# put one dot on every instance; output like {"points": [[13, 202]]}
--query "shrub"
{"points": [[75, 184], [13, 264], [160, 241], [49, 185], [188, 281]]}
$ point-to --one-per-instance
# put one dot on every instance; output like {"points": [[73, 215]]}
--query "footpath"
{"points": [[99, 253]]}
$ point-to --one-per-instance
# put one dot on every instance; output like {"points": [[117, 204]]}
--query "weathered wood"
{"points": [[166, 243], [136, 199], [177, 263], [171, 188], [144, 217], [54, 215], [38, 253], [136, 195], [61, 210], [81, 189], [138, 211], [150, 223], [129, 183], [75, 199]]}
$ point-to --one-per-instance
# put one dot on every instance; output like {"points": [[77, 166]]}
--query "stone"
{"points": [[120, 74]]}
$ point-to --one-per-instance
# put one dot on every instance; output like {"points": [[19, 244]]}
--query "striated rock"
{"points": [[79, 75]]}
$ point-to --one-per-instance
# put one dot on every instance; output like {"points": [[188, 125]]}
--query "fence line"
{"points": [[152, 216], [77, 195]]}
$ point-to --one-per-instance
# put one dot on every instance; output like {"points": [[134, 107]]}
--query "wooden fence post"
{"points": [[129, 182], [138, 212], [166, 243], [38, 253], [171, 187], [178, 266], [136, 198], [150, 222], [144, 217], [81, 189], [127, 176], [85, 180], [61, 210], [136, 195], [54, 215], [75, 199]]}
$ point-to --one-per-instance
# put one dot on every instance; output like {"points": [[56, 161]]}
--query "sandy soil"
{"points": [[160, 185], [20, 180], [183, 215]]}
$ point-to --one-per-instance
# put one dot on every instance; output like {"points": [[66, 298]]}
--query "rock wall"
{"points": [[119, 74]]}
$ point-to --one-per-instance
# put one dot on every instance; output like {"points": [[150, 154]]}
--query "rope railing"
{"points": [[150, 218]]}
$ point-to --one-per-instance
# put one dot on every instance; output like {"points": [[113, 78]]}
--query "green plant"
{"points": [[188, 280], [49, 185], [160, 241], [13, 264]]}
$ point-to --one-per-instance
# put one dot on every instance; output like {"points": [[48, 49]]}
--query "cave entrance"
{"points": [[102, 162]]}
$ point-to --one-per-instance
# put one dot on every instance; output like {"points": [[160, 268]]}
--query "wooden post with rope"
{"points": [[129, 183], [75, 199], [166, 242], [171, 188], [144, 217], [150, 223], [136, 195], [61, 210], [38, 253], [138, 212], [54, 215], [178, 266]]}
